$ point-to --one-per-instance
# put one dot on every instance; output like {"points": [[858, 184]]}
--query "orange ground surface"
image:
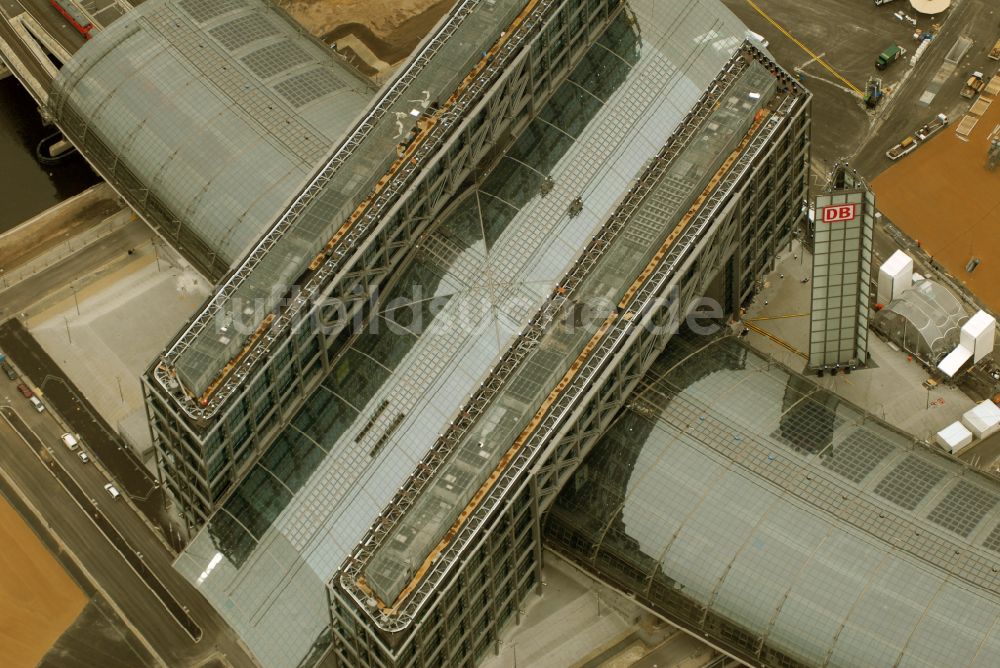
{"points": [[38, 600], [390, 28], [943, 195]]}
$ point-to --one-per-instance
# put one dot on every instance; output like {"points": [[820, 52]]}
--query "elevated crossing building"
{"points": [[410, 350]]}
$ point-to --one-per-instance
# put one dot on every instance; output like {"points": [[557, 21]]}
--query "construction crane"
{"points": [[873, 92]]}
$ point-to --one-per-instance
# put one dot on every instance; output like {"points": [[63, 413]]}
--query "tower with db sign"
{"points": [[841, 280]]}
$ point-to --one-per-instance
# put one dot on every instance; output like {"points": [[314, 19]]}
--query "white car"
{"points": [[84, 457], [113, 491]]}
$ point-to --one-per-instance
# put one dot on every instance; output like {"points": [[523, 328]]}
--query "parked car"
{"points": [[84, 457], [70, 441], [36, 402], [25, 390], [9, 370], [113, 491]]}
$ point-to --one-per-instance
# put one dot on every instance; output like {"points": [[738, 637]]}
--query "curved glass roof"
{"points": [[926, 318], [745, 502], [215, 111]]}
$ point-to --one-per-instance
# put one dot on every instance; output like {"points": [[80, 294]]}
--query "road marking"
{"points": [[805, 48], [809, 62], [813, 77], [776, 339], [777, 317]]}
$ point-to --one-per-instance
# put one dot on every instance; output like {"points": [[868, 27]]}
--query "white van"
{"points": [[69, 440], [113, 491], [758, 38], [36, 402]]}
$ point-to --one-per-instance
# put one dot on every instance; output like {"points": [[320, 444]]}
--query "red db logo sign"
{"points": [[836, 214]]}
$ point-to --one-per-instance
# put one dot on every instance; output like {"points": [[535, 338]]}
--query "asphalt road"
{"points": [[59, 391], [134, 558], [83, 263], [106, 565], [27, 58], [849, 35]]}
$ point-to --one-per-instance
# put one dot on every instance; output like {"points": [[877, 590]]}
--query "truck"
{"points": [[902, 148], [889, 56], [995, 51], [911, 142], [927, 130], [974, 84]]}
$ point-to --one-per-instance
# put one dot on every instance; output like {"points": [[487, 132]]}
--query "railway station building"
{"points": [[418, 337]]}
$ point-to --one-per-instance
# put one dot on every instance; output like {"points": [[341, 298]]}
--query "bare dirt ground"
{"points": [[38, 600], [390, 29], [943, 195]]}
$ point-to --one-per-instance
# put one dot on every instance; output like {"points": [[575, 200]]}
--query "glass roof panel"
{"points": [[801, 552], [168, 97], [482, 449]]}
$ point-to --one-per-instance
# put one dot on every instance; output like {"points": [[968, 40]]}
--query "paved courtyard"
{"points": [[892, 389], [125, 319]]}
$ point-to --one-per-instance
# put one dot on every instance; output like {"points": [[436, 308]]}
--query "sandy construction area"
{"points": [[389, 28], [38, 600], [943, 195]]}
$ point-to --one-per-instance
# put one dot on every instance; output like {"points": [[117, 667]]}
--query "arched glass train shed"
{"points": [[743, 502]]}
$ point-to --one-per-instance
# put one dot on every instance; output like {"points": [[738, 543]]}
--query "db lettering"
{"points": [[836, 214]]}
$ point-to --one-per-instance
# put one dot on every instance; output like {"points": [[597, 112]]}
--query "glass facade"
{"points": [[341, 184], [465, 620], [741, 501], [775, 152], [440, 323], [606, 282], [841, 280], [265, 396]]}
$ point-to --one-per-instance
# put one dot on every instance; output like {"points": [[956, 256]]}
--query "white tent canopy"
{"points": [[983, 420], [954, 437]]}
